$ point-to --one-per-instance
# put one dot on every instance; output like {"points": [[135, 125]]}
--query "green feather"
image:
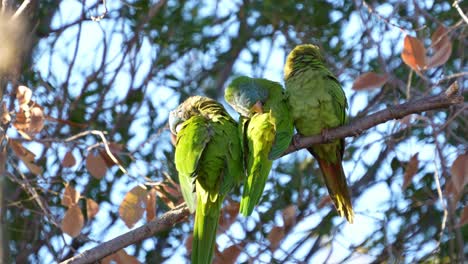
{"points": [[266, 134], [318, 103], [208, 157]]}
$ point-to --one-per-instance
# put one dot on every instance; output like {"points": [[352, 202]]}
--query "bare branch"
{"points": [[165, 222], [442, 100]]}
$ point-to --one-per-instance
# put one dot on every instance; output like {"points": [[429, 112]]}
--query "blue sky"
{"points": [[370, 206]]}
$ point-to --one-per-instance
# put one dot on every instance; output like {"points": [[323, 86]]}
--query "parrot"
{"points": [[266, 131], [318, 103], [209, 162]]}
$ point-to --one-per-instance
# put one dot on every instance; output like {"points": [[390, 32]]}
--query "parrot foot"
{"points": [[295, 141], [325, 136], [358, 132]]}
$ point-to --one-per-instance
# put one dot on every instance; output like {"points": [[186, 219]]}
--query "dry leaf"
{"points": [[23, 95], [410, 170], [133, 205], [73, 221], [96, 165], [26, 156], [229, 255], [69, 160], [171, 196], [228, 216], [324, 201], [120, 257], [289, 216], [37, 120], [92, 208], [464, 217], [459, 172], [189, 243], [70, 196], [369, 80], [151, 205], [275, 236], [123, 258], [442, 47], [5, 118], [414, 53]]}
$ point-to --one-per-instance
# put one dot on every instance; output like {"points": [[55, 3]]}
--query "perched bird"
{"points": [[208, 157], [266, 127], [318, 103]]}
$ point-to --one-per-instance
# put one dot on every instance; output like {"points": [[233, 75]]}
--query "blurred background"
{"points": [[120, 66]]}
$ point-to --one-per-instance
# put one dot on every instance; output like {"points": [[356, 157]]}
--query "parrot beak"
{"points": [[173, 139], [258, 107]]}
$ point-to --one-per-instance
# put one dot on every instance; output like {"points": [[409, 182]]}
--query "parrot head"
{"points": [[194, 106], [300, 57], [246, 96]]}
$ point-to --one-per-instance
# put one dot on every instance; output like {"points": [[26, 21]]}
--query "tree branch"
{"points": [[442, 100], [166, 221]]}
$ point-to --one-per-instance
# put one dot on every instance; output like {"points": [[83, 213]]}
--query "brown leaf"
{"points": [[69, 160], [123, 258], [133, 205], [229, 255], [464, 217], [151, 205], [73, 221], [96, 165], [5, 118], [23, 95], [414, 53], [26, 156], [369, 80], [189, 243], [120, 257], [452, 192], [441, 46], [289, 216], [170, 195], [92, 208], [410, 170], [439, 38], [275, 236], [324, 201], [37, 120], [70, 196], [459, 172], [228, 216]]}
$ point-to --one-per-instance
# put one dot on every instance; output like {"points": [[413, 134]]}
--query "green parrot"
{"points": [[267, 129], [208, 157], [318, 103]]}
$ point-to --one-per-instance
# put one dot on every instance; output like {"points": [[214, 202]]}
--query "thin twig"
{"points": [[460, 11]]}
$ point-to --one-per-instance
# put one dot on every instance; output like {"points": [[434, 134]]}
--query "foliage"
{"points": [[85, 150]]}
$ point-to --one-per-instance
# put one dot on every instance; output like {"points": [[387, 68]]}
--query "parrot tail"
{"points": [[335, 180], [204, 234], [254, 185]]}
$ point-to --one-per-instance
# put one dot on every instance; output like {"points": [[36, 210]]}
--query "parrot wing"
{"points": [[191, 142]]}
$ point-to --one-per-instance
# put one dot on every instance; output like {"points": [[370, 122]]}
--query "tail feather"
{"points": [[335, 180], [254, 185], [204, 234]]}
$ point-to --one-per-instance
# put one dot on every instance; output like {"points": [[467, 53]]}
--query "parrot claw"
{"points": [[295, 141], [325, 136]]}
